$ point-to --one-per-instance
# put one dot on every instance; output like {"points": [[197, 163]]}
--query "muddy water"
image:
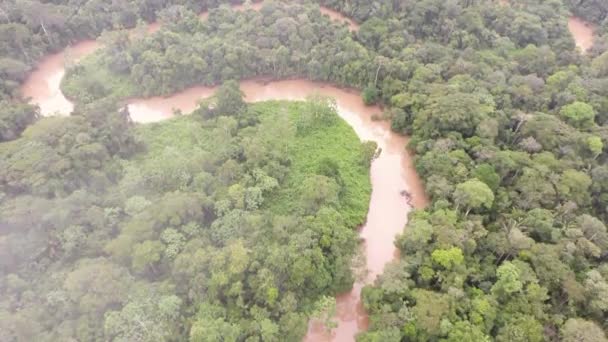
{"points": [[391, 173], [337, 16], [42, 85], [582, 32]]}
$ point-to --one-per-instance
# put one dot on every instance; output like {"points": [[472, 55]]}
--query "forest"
{"points": [[238, 223], [198, 227]]}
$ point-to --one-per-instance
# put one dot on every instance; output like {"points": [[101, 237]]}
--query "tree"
{"points": [[319, 111], [211, 330], [370, 95], [146, 256], [465, 331], [14, 118], [521, 328], [473, 194], [487, 174], [318, 191], [448, 258], [508, 281], [596, 289], [454, 111], [578, 114], [430, 309], [595, 145], [600, 65], [149, 318], [574, 185], [580, 330], [229, 99], [97, 284]]}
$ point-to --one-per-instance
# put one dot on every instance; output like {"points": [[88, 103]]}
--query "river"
{"points": [[391, 173], [43, 84], [582, 32]]}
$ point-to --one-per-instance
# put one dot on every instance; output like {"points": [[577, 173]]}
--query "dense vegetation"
{"points": [[232, 222], [507, 119], [594, 11]]}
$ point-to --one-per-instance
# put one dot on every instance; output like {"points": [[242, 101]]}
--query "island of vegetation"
{"points": [[237, 223]]}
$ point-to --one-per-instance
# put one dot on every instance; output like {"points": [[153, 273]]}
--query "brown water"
{"points": [[391, 173], [582, 32], [337, 16], [42, 85]]}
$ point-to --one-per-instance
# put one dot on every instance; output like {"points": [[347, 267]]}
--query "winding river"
{"points": [[582, 31], [391, 173]]}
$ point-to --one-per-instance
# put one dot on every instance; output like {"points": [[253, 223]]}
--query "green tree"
{"points": [[578, 114], [146, 256], [508, 281], [14, 118], [521, 329], [574, 185], [370, 95], [595, 146], [473, 194], [465, 331], [448, 258], [229, 99], [580, 330]]}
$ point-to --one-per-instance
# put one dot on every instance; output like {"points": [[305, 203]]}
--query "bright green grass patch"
{"points": [[189, 138], [337, 142], [182, 132], [91, 80]]}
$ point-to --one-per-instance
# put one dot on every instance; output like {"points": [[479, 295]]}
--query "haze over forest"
{"points": [[331, 170]]}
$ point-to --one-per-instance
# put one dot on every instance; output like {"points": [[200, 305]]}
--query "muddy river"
{"points": [[582, 32], [391, 173]]}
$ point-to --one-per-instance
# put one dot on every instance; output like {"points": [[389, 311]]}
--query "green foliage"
{"points": [[448, 258], [595, 145], [580, 330], [318, 112], [508, 280], [370, 95], [474, 194], [102, 238], [464, 331], [211, 230], [87, 82], [521, 329], [487, 174], [324, 311], [229, 100], [14, 118], [578, 114]]}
